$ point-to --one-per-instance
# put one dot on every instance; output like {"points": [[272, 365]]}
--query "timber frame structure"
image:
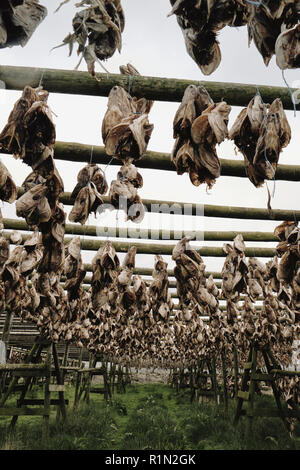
{"points": [[15, 333]]}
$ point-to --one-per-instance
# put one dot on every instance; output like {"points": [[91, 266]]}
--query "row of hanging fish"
{"points": [[109, 319], [18, 21], [260, 132], [200, 22], [125, 132], [199, 125], [275, 31], [97, 31], [30, 135], [273, 26]]}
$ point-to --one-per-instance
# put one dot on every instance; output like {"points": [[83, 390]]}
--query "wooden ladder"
{"points": [[245, 397]]}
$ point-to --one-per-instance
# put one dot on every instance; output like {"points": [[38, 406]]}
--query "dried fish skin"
{"points": [[119, 106], [97, 31], [204, 50], [30, 261], [129, 139], [267, 150], [87, 201], [21, 20], [4, 251], [184, 158], [260, 132], [186, 113], [8, 189], [41, 159], [287, 49], [283, 230], [264, 30], [53, 257], [13, 135], [32, 180], [129, 172], [34, 206], [282, 124], [207, 166], [211, 126], [39, 124], [90, 173]]}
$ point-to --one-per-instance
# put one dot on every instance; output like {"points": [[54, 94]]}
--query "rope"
{"points": [[291, 93], [257, 4], [41, 79]]}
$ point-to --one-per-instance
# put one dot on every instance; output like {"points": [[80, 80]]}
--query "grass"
{"points": [[147, 417]]}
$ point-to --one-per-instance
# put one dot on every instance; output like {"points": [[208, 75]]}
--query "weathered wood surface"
{"points": [[289, 373], [23, 367], [24, 411], [93, 230], [208, 210], [76, 152], [165, 249], [152, 88]]}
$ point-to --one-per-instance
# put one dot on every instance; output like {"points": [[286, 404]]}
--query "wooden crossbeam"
{"points": [[160, 249], [153, 88], [207, 235]]}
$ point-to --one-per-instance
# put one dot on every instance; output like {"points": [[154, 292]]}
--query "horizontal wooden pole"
{"points": [[144, 234], [154, 88], [22, 367], [23, 411], [40, 401], [288, 373], [76, 152], [81, 153], [161, 249], [206, 210]]}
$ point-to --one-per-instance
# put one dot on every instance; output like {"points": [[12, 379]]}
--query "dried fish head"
{"points": [[283, 230], [32, 180], [8, 189], [30, 261], [39, 123], [129, 259], [136, 210], [287, 49], [186, 113], [4, 251], [34, 206], [25, 18], [119, 106], [74, 248], [129, 172], [184, 158]]}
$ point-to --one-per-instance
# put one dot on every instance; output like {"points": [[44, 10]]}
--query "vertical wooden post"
{"points": [[59, 379], [47, 396], [7, 326], [78, 379], [239, 402], [250, 408], [276, 393], [5, 338], [65, 359], [14, 380], [236, 372]]}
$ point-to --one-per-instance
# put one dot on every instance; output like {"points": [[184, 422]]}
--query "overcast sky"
{"points": [[154, 44]]}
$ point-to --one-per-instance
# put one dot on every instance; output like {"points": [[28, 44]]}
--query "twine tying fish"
{"points": [[291, 93]]}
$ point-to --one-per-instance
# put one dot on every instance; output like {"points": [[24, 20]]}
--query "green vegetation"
{"points": [[151, 416]]}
